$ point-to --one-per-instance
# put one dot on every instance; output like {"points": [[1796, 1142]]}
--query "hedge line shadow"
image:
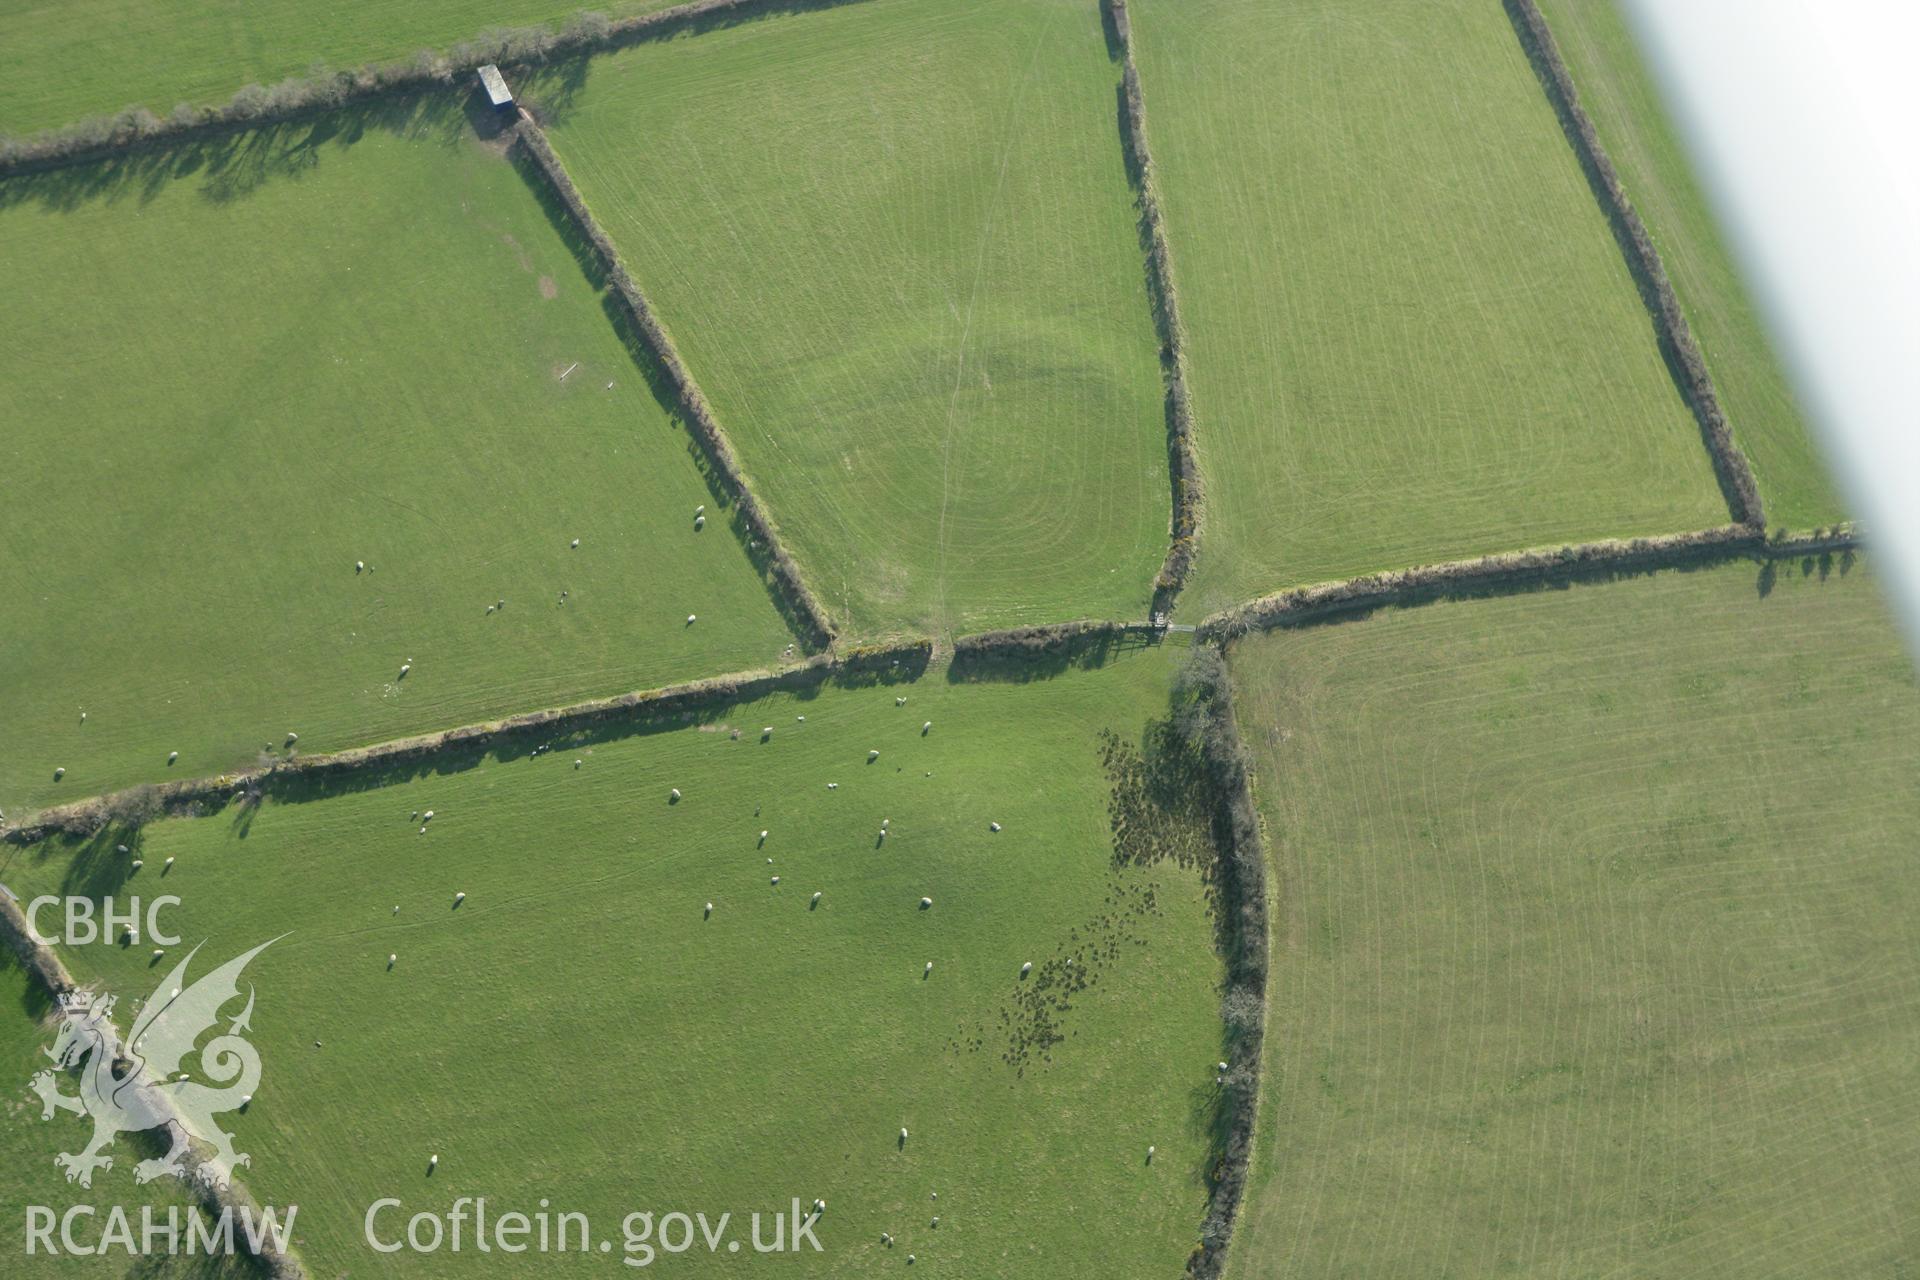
{"points": [[659, 386], [233, 162], [1632, 251]]}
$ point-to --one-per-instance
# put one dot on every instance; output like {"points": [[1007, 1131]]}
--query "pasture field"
{"points": [[896, 245], [1596, 933], [1412, 337], [65, 60], [237, 370], [576, 1028], [1625, 106], [28, 1175]]}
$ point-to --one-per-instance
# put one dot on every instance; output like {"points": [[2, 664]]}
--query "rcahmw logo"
{"points": [[137, 1084]]}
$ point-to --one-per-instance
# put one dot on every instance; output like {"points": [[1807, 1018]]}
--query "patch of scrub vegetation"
{"points": [[289, 416], [68, 60], [1596, 931], [1412, 336], [1625, 106], [29, 1177], [896, 246], [579, 1025]]}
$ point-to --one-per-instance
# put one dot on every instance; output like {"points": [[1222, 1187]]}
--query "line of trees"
{"points": [[1488, 574], [673, 702], [322, 89], [1164, 299], [801, 604], [1730, 464], [1203, 715]]}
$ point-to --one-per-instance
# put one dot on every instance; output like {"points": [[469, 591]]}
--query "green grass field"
{"points": [[66, 60], [1625, 106], [1412, 336], [1596, 933], [576, 1029], [28, 1175], [896, 246], [236, 371]]}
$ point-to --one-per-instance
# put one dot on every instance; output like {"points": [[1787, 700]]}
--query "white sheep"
{"points": [[885, 823], [903, 1135], [393, 958], [427, 816], [1026, 968], [883, 833], [138, 863], [929, 969], [172, 756], [776, 879], [763, 837], [699, 522], [246, 1100], [993, 826], [692, 618], [168, 862], [872, 756], [833, 786], [292, 736], [709, 908], [767, 732], [816, 899], [700, 510], [900, 702], [1149, 1155], [60, 773], [673, 793], [926, 728], [576, 542], [459, 898], [359, 566], [433, 1162], [925, 903], [120, 848], [404, 668], [158, 952]]}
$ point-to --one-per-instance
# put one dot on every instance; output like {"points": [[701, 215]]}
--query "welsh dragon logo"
{"points": [[136, 1085]]}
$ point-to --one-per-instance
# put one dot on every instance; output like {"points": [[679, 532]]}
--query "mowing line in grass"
{"points": [[897, 246], [1596, 932]]}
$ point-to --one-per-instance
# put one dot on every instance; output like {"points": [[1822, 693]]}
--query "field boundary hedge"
{"points": [[46, 968], [690, 401], [316, 93], [187, 797], [1513, 571], [1164, 298], [1206, 719], [1676, 336]]}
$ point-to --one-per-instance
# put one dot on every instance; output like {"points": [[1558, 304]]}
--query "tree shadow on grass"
{"points": [[1021, 662], [231, 164]]}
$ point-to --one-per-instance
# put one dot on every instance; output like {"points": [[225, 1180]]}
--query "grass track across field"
{"points": [[1625, 107], [896, 246], [66, 60], [238, 369], [1411, 333], [577, 1030], [1595, 933]]}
